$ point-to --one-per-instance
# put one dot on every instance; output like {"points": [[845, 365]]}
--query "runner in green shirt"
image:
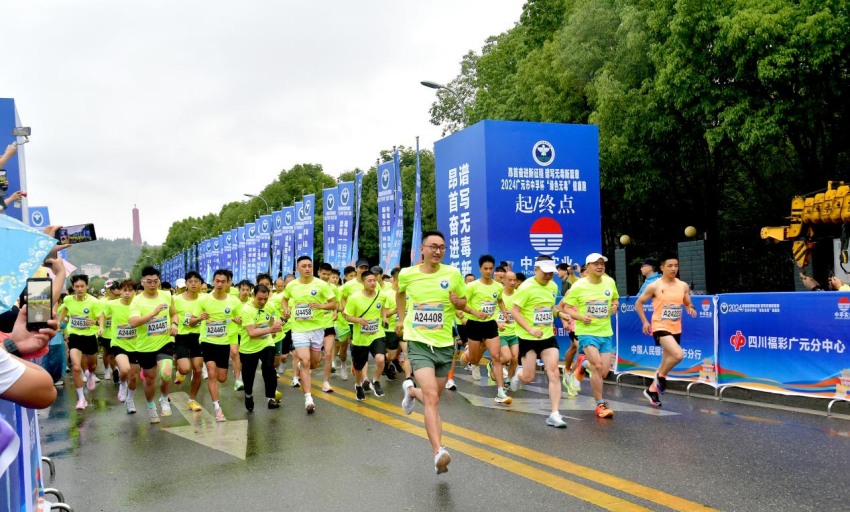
{"points": [[258, 344], [151, 312], [366, 310], [83, 310], [426, 299], [304, 297], [124, 345], [533, 312], [353, 284], [508, 342], [188, 340]]}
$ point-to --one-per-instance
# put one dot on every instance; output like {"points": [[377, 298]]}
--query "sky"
{"points": [[179, 107]]}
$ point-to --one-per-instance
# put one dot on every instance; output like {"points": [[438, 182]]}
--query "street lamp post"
{"points": [[269, 212], [435, 85]]}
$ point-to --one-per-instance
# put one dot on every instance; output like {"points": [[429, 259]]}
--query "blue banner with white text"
{"points": [[358, 192], [251, 251], [386, 208], [287, 262], [345, 220], [277, 242], [264, 233], [330, 226]]}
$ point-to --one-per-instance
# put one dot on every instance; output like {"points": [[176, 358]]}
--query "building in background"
{"points": [[137, 234]]}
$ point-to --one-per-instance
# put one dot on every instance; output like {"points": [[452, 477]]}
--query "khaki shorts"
{"points": [[426, 356]]}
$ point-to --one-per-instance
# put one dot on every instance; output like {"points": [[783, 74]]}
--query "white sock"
{"points": [[216, 405], [308, 395], [80, 394]]}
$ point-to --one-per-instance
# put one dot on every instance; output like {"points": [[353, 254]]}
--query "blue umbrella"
{"points": [[22, 250]]}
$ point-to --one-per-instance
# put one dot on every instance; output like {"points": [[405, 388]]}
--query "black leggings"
{"points": [[249, 370]]}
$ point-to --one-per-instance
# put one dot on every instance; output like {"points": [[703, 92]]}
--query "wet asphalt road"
{"points": [[692, 454]]}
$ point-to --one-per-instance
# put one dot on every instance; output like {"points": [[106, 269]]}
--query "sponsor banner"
{"points": [[287, 262], [637, 353], [416, 236], [227, 250], [345, 219], [39, 217], [789, 343], [304, 213], [330, 225], [215, 254], [358, 190], [397, 228], [277, 242], [264, 244], [386, 208], [241, 248], [518, 190], [251, 239]]}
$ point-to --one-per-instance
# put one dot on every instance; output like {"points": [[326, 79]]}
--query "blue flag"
{"points": [[330, 226], [416, 235], [287, 262], [345, 218], [243, 257], [277, 242], [386, 209], [264, 247], [358, 189], [397, 227], [251, 251]]}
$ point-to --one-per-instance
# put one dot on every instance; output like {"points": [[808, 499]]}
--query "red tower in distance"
{"points": [[137, 234]]}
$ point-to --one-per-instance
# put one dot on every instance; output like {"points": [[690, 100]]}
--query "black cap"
{"points": [[362, 263], [377, 270], [651, 262]]}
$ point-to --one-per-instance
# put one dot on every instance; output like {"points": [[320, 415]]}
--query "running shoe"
{"points": [[450, 385], [343, 371], [515, 383], [504, 372], [358, 390], [575, 382], [165, 406], [180, 378], [82, 404], [490, 374], [204, 373], [476, 372], [367, 386], [568, 384], [391, 372], [556, 420], [107, 375], [219, 415], [239, 386], [503, 399], [661, 383], [580, 372], [96, 380], [272, 403], [376, 388], [90, 382], [602, 411], [249, 403], [131, 406], [652, 396], [296, 383], [152, 414], [408, 401], [326, 387], [309, 405], [278, 396], [441, 460], [122, 391], [194, 406]]}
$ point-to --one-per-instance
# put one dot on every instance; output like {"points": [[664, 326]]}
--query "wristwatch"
{"points": [[11, 347]]}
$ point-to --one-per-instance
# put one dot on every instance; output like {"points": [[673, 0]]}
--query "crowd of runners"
{"points": [[416, 323]]}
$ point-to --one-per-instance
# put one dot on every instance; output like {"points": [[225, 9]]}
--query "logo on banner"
{"points": [[344, 196], [330, 202], [843, 312], [252, 231], [546, 235], [265, 226], [288, 218], [706, 309], [737, 341], [37, 219], [278, 221], [543, 153], [228, 239], [307, 207], [215, 245], [385, 179]]}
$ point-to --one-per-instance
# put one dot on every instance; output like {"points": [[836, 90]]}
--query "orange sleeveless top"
{"points": [[667, 305]]}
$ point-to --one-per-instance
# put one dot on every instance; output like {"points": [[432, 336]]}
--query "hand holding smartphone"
{"points": [[39, 302], [76, 234]]}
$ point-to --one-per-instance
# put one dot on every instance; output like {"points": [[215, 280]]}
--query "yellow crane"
{"points": [[823, 210]]}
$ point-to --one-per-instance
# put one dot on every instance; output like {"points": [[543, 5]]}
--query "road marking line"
{"points": [[230, 437]]}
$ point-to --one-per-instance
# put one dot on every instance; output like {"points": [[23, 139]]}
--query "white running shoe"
{"points": [[556, 420], [131, 406], [515, 383], [152, 414], [476, 372], [441, 460], [450, 385], [219, 416], [296, 382], [408, 402], [122, 391], [309, 405], [204, 373], [165, 406], [326, 387], [343, 371]]}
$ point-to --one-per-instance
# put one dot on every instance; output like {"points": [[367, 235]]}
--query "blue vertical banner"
{"points": [[287, 259], [518, 190], [358, 192], [251, 239], [209, 268], [277, 242], [309, 207], [300, 244], [215, 257], [397, 229], [386, 209], [14, 175], [39, 217], [345, 218], [243, 257], [234, 251], [304, 211], [264, 244], [416, 235], [226, 243], [330, 226]]}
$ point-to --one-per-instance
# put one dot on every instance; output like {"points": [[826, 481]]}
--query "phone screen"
{"points": [[76, 234], [39, 302]]}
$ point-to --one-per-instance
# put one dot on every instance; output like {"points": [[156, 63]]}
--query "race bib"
{"points": [[542, 316], [108, 323], [671, 312], [427, 316], [216, 329], [502, 319], [263, 326], [303, 312], [125, 332], [370, 328], [488, 307], [80, 322], [597, 309], [187, 318], [157, 326]]}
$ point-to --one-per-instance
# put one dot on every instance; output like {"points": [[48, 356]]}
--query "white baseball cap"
{"points": [[546, 265], [594, 257], [180, 283]]}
